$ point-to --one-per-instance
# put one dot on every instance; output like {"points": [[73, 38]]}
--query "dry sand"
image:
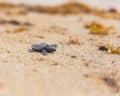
{"points": [[73, 70]]}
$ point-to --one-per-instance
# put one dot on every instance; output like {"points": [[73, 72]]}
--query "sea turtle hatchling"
{"points": [[44, 48]]}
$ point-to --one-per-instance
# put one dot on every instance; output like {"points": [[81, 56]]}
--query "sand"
{"points": [[73, 70], [101, 4]]}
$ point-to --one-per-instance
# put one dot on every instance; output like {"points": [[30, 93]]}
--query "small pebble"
{"points": [[73, 57], [103, 48]]}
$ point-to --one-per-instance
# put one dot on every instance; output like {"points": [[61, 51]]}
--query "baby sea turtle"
{"points": [[44, 48]]}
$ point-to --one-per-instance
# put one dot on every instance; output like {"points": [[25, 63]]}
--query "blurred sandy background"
{"points": [[96, 3], [104, 4], [75, 69]]}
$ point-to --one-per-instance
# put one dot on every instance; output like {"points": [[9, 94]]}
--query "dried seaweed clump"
{"points": [[6, 5], [112, 13], [110, 49], [67, 8], [113, 49], [16, 23], [73, 41], [20, 29], [13, 9], [99, 29]]}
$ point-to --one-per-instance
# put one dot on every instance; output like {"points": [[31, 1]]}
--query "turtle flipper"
{"points": [[44, 52], [54, 45], [31, 50]]}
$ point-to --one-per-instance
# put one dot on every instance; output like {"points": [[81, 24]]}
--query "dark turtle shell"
{"points": [[39, 47], [50, 48]]}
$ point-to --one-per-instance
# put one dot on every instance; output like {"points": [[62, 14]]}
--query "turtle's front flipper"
{"points": [[44, 52], [54, 45], [31, 50]]}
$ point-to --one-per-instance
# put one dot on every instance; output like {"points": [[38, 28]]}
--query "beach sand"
{"points": [[77, 69]]}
